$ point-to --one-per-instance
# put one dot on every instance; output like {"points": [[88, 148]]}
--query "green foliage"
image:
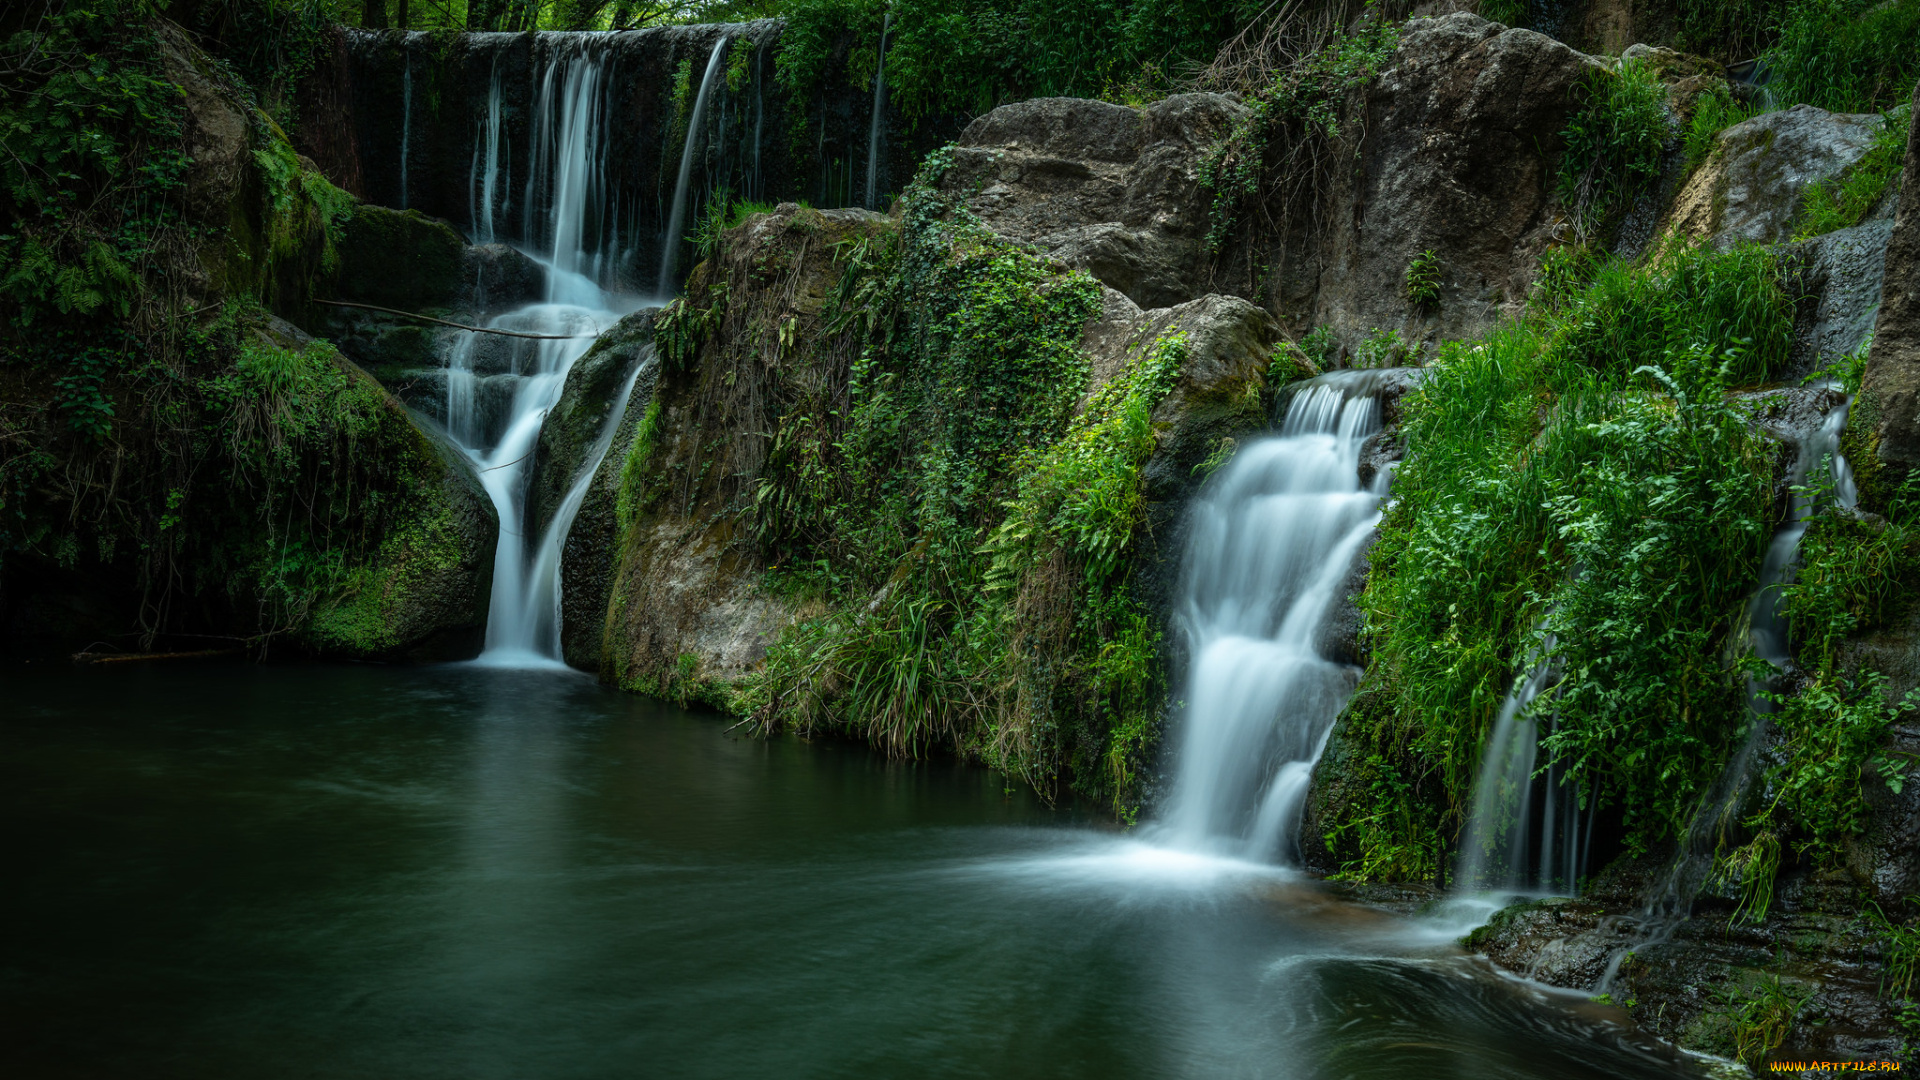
{"points": [[1761, 1009], [1844, 203], [1714, 111], [944, 57], [1846, 55], [632, 497], [252, 481], [1831, 732], [965, 516], [1614, 143], [1900, 949], [1384, 349], [1423, 280], [1574, 482], [1505, 12], [1275, 159]]}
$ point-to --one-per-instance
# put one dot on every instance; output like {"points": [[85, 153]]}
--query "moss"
{"points": [[399, 258]]}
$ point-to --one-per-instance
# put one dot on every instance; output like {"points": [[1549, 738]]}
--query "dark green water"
{"points": [[459, 872]]}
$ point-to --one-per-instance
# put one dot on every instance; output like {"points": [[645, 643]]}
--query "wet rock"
{"points": [[1752, 186], [1459, 157], [1840, 274], [1890, 401], [400, 259], [497, 277], [575, 425], [1218, 403], [1790, 413], [1107, 188], [687, 615]]}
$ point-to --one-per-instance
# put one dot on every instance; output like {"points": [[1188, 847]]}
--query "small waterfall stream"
{"points": [[874, 128], [483, 187], [677, 221], [1511, 800], [406, 114], [499, 390], [1270, 548]]}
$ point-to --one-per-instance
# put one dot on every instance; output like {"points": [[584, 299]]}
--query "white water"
{"points": [[483, 187], [677, 222], [406, 116], [1510, 801], [499, 389], [1270, 548], [879, 110]]}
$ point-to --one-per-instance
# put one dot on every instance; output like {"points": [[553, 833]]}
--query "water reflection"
{"points": [[459, 872]]}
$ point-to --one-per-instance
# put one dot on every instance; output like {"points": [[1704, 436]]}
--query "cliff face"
{"points": [[442, 123]]}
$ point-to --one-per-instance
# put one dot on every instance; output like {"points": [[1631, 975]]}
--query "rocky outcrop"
{"points": [[1890, 399], [1458, 158], [1106, 188], [596, 395], [1753, 185]]}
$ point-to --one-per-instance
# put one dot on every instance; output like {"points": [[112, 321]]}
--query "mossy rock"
{"points": [[399, 258]]}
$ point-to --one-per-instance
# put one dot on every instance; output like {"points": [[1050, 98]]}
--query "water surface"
{"points": [[230, 871]]}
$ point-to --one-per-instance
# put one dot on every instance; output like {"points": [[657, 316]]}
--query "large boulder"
{"points": [[1462, 131], [1107, 188], [1753, 185]]}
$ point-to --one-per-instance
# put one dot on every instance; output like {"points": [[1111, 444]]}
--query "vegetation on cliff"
{"points": [[199, 465]]}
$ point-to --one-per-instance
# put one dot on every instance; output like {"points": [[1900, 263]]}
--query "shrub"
{"points": [[1614, 143]]}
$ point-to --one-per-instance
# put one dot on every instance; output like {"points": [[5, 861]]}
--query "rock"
{"points": [[1841, 275], [1459, 158], [1107, 188], [619, 372], [496, 277], [218, 135], [400, 259], [687, 616], [1753, 184], [424, 596], [1890, 399], [1219, 401]]}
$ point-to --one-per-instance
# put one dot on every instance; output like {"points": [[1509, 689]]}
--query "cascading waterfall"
{"points": [[879, 110], [1671, 902], [406, 116], [484, 184], [1510, 802], [1767, 634], [677, 221], [499, 390], [1270, 547]]}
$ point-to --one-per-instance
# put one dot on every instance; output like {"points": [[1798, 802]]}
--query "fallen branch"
{"points": [[129, 658], [455, 325]]}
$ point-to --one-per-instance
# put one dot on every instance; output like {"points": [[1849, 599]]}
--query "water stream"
{"points": [[333, 871], [669, 279], [1271, 545], [874, 127], [499, 390]]}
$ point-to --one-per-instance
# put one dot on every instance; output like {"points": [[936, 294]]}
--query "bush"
{"points": [[1614, 143], [1846, 56]]}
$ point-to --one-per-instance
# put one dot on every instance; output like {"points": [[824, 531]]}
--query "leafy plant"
{"points": [[1423, 280], [1845, 202], [1713, 112], [1846, 55], [1762, 1012], [1614, 143]]}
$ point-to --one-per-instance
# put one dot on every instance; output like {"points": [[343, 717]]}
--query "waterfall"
{"points": [[676, 223], [759, 119], [879, 110], [406, 111], [1270, 547], [499, 390], [484, 182], [1509, 800]]}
